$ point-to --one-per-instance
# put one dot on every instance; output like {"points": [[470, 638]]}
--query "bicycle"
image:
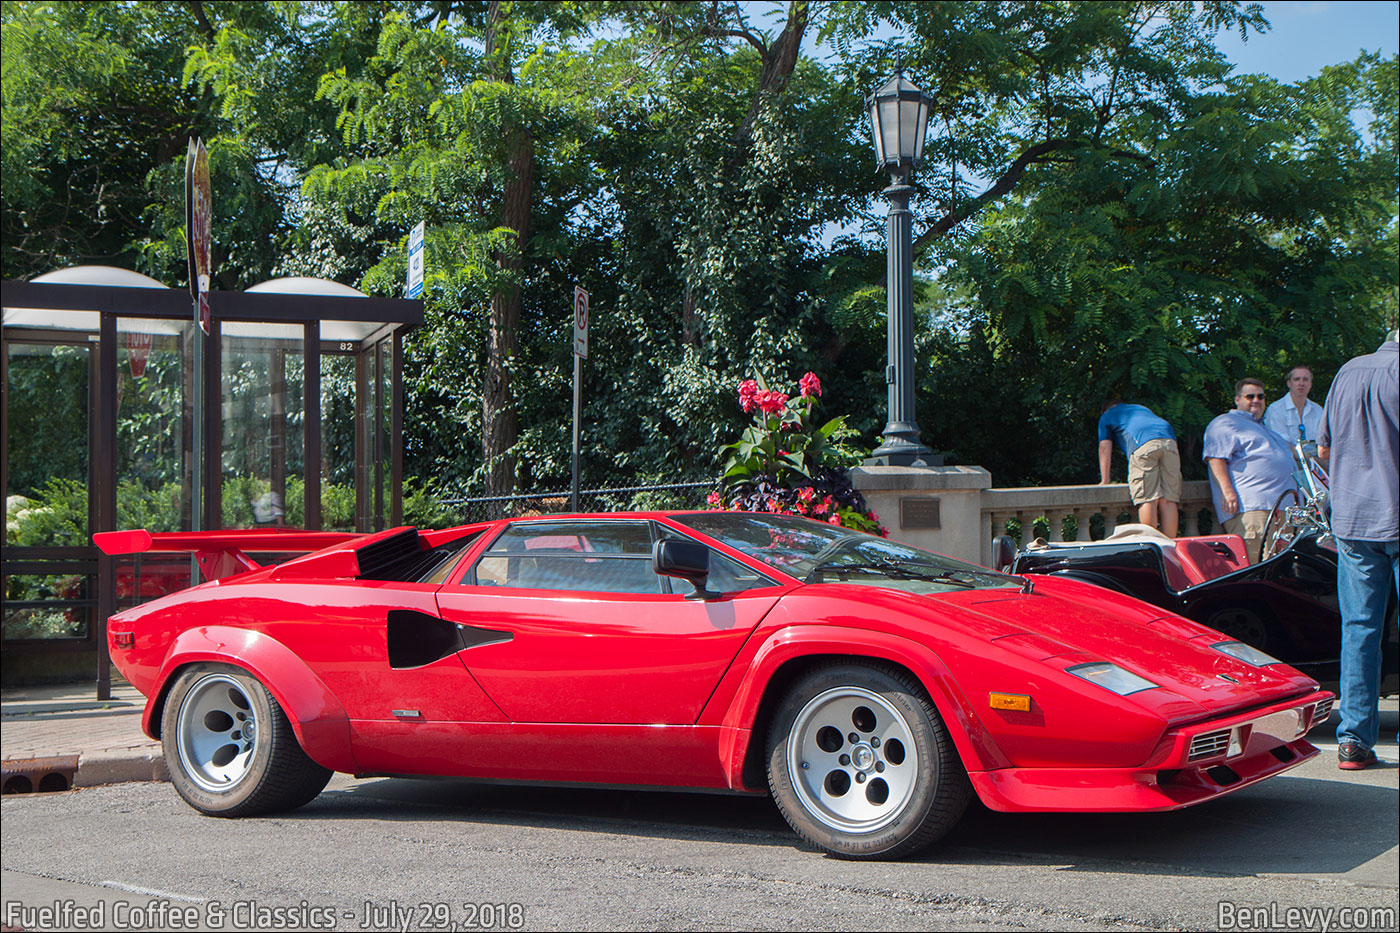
{"points": [[1293, 515]]}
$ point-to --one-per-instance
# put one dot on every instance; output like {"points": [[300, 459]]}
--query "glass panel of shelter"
{"points": [[48, 513], [262, 457]]}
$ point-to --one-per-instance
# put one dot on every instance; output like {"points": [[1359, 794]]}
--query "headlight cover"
{"points": [[1111, 677], [1246, 653]]}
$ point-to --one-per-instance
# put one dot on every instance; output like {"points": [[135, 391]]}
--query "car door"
{"points": [[577, 628]]}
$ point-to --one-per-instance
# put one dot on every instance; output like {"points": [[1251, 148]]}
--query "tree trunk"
{"points": [[500, 424]]}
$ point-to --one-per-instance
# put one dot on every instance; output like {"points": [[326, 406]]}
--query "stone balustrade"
{"points": [[1051, 506], [956, 511]]}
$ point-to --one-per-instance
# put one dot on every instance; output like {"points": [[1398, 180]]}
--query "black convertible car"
{"points": [[1285, 606]]}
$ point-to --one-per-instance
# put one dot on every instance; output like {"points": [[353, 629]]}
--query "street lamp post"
{"points": [[898, 120]]}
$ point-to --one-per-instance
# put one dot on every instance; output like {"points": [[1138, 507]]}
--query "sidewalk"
{"points": [[62, 730]]}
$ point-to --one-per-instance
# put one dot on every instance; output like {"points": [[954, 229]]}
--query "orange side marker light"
{"points": [[1010, 701]]}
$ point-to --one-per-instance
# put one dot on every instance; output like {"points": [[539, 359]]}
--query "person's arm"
{"points": [[1220, 472], [1323, 437], [1105, 460]]}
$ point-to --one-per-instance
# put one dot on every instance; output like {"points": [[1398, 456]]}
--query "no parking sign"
{"points": [[580, 322]]}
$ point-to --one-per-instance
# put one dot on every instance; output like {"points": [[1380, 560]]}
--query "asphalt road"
{"points": [[422, 855]]}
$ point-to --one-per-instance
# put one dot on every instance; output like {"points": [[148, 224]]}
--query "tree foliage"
{"points": [[1104, 207]]}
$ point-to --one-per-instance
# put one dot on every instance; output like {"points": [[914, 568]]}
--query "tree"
{"points": [[1258, 234], [96, 120]]}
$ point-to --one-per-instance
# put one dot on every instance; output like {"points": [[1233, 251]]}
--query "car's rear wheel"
{"points": [[229, 747], [861, 764]]}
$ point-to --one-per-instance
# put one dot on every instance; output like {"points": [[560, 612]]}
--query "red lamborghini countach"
{"points": [[871, 687]]}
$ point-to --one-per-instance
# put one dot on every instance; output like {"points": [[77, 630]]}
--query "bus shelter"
{"points": [[303, 425]]}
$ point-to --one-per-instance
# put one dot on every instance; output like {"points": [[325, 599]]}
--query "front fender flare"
{"points": [[318, 719], [975, 745]]}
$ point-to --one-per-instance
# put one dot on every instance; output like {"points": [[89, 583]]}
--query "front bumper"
{"points": [[1190, 765]]}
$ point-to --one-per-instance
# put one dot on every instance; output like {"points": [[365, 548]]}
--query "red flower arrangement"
{"points": [[806, 474]]}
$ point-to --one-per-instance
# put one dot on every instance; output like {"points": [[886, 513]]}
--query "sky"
{"points": [[1306, 35]]}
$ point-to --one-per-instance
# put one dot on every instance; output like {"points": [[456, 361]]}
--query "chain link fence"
{"points": [[610, 499]]}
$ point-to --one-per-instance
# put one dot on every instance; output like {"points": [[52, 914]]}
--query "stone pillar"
{"points": [[938, 508]]}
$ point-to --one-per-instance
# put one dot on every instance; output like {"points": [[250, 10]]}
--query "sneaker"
{"points": [[1352, 757]]}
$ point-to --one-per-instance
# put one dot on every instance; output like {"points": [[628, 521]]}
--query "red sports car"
{"points": [[871, 687]]}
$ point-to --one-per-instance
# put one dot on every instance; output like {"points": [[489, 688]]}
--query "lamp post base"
{"points": [[902, 448]]}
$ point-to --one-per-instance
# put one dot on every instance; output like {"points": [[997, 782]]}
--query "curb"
{"points": [[87, 769], [120, 766]]}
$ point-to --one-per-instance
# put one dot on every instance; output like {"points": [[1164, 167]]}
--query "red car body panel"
{"points": [[570, 651], [662, 690]]}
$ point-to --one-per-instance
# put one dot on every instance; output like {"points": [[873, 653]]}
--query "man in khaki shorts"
{"points": [[1250, 466], [1154, 464]]}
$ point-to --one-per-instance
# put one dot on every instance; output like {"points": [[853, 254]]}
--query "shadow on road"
{"points": [[1298, 825]]}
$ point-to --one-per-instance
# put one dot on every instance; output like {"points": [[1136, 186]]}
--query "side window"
{"points": [[730, 576], [603, 557]]}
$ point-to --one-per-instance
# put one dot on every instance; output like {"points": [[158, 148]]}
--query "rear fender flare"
{"points": [[741, 727], [318, 719], [1089, 576]]}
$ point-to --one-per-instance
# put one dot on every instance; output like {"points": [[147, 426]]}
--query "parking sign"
{"points": [[415, 260], [580, 322]]}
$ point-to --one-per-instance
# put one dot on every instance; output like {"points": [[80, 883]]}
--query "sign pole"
{"points": [[580, 353], [198, 216], [578, 410]]}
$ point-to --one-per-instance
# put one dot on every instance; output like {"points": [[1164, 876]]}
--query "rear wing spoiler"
{"points": [[223, 553]]}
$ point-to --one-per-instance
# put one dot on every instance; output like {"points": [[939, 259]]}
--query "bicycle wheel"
{"points": [[1279, 532]]}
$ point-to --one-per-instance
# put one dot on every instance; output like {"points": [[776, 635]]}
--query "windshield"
{"points": [[815, 552]]}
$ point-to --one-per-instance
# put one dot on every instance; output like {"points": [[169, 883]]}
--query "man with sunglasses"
{"points": [[1250, 466]]}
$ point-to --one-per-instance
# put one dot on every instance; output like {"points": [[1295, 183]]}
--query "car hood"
{"points": [[1065, 622]]}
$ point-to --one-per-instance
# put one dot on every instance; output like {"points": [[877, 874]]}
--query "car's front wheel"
{"points": [[861, 764], [229, 747]]}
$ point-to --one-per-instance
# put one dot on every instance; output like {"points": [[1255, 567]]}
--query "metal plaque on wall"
{"points": [[918, 512]]}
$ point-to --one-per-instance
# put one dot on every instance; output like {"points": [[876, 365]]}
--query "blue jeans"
{"points": [[1368, 576]]}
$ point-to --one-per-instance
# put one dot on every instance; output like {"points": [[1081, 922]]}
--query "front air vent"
{"points": [[1322, 710], [1209, 744], [1222, 775]]}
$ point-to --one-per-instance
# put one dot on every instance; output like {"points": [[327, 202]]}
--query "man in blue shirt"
{"points": [[1250, 466], [1154, 464], [1360, 427]]}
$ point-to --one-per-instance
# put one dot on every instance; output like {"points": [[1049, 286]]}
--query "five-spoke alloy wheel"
{"points": [[861, 764], [229, 747]]}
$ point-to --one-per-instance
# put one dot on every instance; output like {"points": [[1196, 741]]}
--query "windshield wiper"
{"points": [[894, 571]]}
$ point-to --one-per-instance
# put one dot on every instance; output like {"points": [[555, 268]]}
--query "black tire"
{"points": [[1244, 624], [215, 765], [897, 788], [1278, 531]]}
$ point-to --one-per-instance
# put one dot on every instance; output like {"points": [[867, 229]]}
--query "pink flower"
{"points": [[834, 519], [748, 390], [806, 494], [713, 499], [811, 385], [772, 402]]}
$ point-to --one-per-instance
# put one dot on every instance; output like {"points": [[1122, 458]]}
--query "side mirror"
{"points": [[689, 560], [1003, 553]]}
